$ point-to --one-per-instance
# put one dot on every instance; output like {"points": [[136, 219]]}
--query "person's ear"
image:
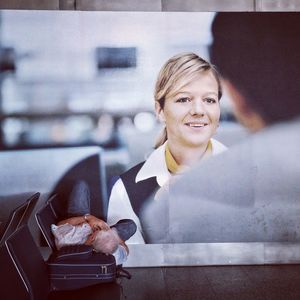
{"points": [[93, 236], [240, 106], [159, 112], [242, 110]]}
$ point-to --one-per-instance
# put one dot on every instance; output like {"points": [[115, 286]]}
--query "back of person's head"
{"points": [[177, 72], [106, 241], [259, 53]]}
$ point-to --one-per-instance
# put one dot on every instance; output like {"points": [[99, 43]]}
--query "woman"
{"points": [[187, 95]]}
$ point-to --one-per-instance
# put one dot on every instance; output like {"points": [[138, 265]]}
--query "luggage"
{"points": [[75, 266], [73, 273]]}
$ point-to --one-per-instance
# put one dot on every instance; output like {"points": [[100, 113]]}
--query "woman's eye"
{"points": [[210, 100], [183, 100]]}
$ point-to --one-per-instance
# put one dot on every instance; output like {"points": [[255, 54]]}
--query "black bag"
{"points": [[72, 273], [75, 266]]}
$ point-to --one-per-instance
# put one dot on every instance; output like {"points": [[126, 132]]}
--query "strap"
{"points": [[122, 273]]}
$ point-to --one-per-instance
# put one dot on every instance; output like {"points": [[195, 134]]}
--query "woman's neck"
{"points": [[186, 156]]}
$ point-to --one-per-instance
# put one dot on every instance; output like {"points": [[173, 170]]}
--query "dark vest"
{"points": [[139, 193]]}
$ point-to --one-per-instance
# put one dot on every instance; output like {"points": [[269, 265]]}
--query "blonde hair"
{"points": [[178, 71], [106, 241]]}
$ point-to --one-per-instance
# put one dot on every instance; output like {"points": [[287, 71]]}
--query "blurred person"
{"points": [[187, 101], [82, 228], [250, 193]]}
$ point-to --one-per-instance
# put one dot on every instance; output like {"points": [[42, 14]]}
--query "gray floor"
{"points": [[234, 282]]}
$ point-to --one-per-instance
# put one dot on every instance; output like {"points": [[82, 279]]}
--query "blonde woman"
{"points": [[187, 96]]}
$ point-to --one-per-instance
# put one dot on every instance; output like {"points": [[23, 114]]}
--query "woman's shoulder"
{"points": [[117, 182], [133, 170], [154, 157], [153, 166]]}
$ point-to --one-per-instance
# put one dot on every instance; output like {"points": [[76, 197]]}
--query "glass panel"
{"points": [[59, 89]]}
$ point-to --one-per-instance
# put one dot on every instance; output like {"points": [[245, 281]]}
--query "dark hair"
{"points": [[260, 54]]}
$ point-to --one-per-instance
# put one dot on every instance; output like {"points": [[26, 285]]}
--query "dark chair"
{"points": [[18, 217], [24, 274], [46, 216], [29, 263], [31, 203]]}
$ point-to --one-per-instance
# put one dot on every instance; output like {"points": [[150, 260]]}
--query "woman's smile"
{"points": [[194, 124], [192, 114]]}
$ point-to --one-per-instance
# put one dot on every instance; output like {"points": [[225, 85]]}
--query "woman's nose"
{"points": [[197, 107]]}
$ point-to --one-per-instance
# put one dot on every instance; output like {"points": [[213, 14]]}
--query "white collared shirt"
{"points": [[155, 166]]}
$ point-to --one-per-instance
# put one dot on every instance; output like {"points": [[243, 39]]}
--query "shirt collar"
{"points": [[155, 166]]}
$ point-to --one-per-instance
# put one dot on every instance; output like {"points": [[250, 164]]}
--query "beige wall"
{"points": [[155, 5]]}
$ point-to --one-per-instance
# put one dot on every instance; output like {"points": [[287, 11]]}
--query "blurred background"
{"points": [[70, 78]]}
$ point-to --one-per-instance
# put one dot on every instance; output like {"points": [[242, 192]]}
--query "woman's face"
{"points": [[192, 114]]}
